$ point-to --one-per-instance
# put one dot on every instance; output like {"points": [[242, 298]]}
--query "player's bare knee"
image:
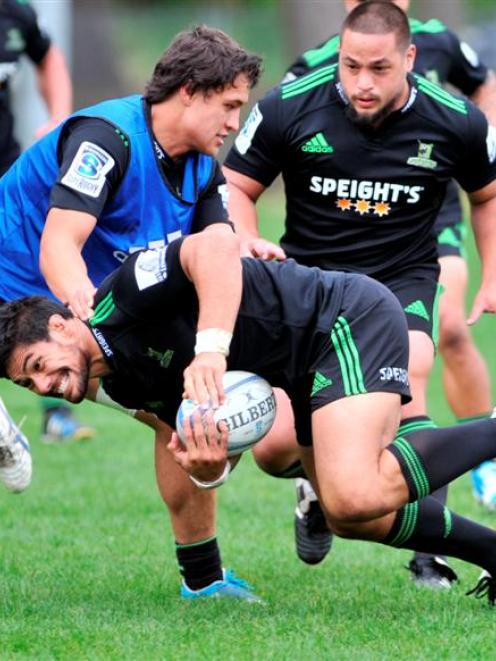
{"points": [[347, 509], [454, 336]]}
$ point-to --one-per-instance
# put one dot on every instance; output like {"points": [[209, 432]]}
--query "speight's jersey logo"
{"points": [[365, 197]]}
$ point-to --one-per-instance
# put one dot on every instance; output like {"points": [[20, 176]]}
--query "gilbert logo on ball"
{"points": [[249, 410]]}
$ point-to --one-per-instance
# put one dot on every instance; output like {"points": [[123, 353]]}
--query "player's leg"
{"points": [[462, 364], [358, 480], [59, 423], [419, 295], [15, 456], [192, 514], [278, 454]]}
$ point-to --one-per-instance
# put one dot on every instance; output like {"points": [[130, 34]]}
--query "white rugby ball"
{"points": [[249, 410]]}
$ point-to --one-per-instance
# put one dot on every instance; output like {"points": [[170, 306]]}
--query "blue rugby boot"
{"points": [[231, 586]]}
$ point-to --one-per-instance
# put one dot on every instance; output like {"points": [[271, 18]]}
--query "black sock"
{"points": [[431, 528], [431, 458], [200, 563]]}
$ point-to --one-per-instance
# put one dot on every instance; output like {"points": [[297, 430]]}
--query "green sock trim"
{"points": [[190, 546], [408, 427], [408, 523], [414, 465], [474, 418]]}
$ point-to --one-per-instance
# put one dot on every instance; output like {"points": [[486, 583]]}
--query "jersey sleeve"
{"points": [[151, 284], [258, 151], [212, 204], [477, 166], [467, 72], [93, 158], [36, 39]]}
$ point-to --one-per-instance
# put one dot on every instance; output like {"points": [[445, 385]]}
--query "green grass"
{"points": [[87, 567]]}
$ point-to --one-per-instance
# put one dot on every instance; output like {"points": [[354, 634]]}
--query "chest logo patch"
{"points": [[15, 40], [423, 158], [163, 357], [317, 145]]}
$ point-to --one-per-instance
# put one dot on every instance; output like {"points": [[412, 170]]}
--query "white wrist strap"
{"points": [[215, 483], [213, 340]]}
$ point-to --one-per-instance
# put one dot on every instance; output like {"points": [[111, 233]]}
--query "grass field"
{"points": [[87, 567]]}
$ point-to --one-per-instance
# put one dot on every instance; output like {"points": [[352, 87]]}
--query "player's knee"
{"points": [[277, 450], [344, 510], [454, 336]]}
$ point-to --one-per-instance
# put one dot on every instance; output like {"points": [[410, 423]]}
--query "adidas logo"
{"points": [[317, 145], [419, 309], [319, 383]]}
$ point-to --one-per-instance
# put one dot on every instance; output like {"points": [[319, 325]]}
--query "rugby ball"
{"points": [[249, 410]]}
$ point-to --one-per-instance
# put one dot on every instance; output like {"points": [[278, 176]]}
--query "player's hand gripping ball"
{"points": [[249, 410]]}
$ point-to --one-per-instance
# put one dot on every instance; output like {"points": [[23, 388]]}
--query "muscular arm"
{"points": [[483, 204], [243, 195], [485, 98], [61, 262], [55, 87], [211, 261]]}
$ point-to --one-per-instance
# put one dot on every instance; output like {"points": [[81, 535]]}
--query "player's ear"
{"points": [[185, 94], [58, 325], [410, 54]]}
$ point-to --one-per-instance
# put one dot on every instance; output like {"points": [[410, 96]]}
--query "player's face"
{"points": [[351, 4], [51, 368], [213, 116], [372, 70]]}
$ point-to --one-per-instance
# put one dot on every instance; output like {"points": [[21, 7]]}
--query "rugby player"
{"points": [[443, 58], [198, 302], [366, 153], [123, 175]]}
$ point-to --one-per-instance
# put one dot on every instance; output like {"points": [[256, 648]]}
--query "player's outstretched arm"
{"points": [[61, 262], [484, 224], [211, 261], [55, 86], [243, 195]]}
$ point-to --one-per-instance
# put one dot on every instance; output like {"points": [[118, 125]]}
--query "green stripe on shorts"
{"points": [[349, 358]]}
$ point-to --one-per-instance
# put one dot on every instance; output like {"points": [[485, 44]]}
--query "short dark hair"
{"points": [[204, 59], [379, 17], [25, 322]]}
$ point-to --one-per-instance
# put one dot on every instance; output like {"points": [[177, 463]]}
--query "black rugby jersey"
{"points": [[441, 57], [146, 316], [19, 34], [363, 199]]}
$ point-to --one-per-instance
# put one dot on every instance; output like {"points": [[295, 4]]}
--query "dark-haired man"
{"points": [[443, 58], [123, 175], [212, 311], [366, 153]]}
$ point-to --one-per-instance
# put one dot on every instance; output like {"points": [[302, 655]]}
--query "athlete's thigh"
{"points": [[348, 436]]}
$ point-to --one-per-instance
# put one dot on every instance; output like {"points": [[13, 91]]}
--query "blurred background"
{"points": [[112, 45]]}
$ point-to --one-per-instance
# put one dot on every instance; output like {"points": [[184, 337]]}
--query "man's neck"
{"points": [[166, 122]]}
